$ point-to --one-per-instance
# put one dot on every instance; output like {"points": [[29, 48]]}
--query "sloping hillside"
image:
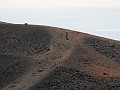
{"points": [[34, 57], [4, 22]]}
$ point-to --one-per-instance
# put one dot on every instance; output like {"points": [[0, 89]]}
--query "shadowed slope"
{"points": [[17, 44], [21, 39], [65, 78], [11, 67]]}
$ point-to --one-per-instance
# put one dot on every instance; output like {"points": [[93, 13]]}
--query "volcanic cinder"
{"points": [[35, 57]]}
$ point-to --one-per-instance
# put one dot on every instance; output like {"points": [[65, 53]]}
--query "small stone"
{"points": [[40, 70], [105, 74]]}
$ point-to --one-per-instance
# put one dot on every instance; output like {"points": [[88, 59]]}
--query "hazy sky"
{"points": [[99, 17], [58, 3]]}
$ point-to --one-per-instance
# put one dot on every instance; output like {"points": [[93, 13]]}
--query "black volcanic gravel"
{"points": [[111, 50], [21, 39], [11, 67], [63, 78], [16, 41]]}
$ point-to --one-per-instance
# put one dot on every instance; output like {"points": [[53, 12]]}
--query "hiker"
{"points": [[66, 35]]}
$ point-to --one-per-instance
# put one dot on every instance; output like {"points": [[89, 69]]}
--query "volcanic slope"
{"points": [[35, 57]]}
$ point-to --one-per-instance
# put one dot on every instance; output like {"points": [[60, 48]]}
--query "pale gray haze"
{"points": [[98, 17]]}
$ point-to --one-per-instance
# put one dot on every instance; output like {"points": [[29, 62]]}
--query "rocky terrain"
{"points": [[35, 57]]}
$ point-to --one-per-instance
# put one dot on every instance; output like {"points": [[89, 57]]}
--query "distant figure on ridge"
{"points": [[26, 24], [66, 35]]}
